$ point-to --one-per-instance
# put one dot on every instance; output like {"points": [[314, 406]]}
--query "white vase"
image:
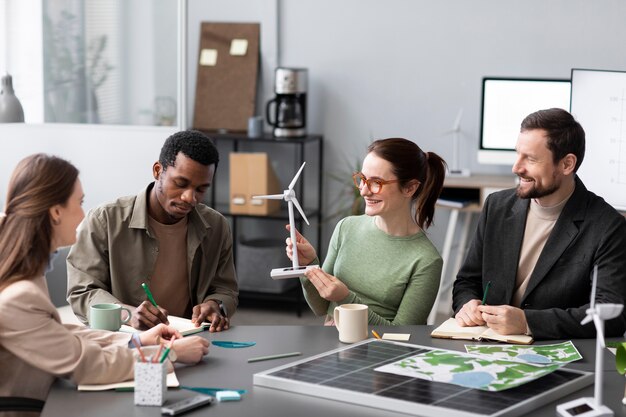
{"points": [[10, 107]]}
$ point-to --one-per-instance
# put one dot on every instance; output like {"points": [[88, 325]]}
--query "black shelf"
{"points": [[281, 214], [235, 137], [289, 153]]}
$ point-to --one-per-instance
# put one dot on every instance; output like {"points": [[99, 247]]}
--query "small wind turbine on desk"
{"points": [[455, 171], [289, 196], [586, 406]]}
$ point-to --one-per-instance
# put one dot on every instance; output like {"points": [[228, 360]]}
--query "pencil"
{"points": [[270, 357], [486, 291], [149, 294], [143, 358], [156, 357], [376, 334]]}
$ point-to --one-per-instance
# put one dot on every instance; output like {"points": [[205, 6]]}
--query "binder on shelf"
{"points": [[252, 174]]}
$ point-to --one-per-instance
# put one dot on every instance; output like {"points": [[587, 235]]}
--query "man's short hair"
{"points": [[193, 144], [565, 134]]}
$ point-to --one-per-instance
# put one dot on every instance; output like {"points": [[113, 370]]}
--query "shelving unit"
{"points": [[286, 154]]}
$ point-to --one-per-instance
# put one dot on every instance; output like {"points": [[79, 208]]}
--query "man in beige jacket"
{"points": [[164, 237]]}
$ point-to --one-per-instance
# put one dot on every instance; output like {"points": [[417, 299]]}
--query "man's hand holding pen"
{"points": [[146, 316], [504, 319], [469, 315]]}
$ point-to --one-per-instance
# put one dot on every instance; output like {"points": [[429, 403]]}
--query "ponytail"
{"points": [[429, 191]]}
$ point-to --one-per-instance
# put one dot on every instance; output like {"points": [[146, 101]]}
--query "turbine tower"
{"points": [[598, 313], [289, 195]]}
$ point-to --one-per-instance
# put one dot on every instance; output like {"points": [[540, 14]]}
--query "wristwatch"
{"points": [[222, 306]]}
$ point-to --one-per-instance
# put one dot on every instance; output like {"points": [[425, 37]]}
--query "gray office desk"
{"points": [[229, 368]]}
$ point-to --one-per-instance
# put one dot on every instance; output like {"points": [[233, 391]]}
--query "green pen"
{"points": [[165, 354], [486, 291], [149, 294]]}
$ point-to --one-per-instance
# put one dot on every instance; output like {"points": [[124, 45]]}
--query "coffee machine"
{"points": [[288, 115]]}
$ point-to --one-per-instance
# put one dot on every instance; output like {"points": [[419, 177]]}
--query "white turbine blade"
{"points": [[599, 330], [270, 197], [587, 319], [295, 179], [594, 282], [609, 311], [295, 203]]}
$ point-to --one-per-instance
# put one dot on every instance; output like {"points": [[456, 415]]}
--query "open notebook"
{"points": [[449, 329], [171, 380], [184, 326]]}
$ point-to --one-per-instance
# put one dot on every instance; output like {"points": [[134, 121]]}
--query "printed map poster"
{"points": [[541, 355], [466, 370]]}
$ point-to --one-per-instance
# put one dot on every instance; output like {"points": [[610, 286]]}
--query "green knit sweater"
{"points": [[397, 277]]}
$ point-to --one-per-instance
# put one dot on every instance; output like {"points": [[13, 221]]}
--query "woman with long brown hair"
{"points": [[42, 211], [383, 259]]}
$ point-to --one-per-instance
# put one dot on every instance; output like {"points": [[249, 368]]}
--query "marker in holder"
{"points": [[150, 383]]}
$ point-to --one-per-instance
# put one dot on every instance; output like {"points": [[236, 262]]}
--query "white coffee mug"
{"points": [[351, 322]]}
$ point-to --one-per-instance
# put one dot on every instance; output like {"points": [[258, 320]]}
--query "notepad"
{"points": [[184, 326], [171, 380], [450, 329], [400, 337]]}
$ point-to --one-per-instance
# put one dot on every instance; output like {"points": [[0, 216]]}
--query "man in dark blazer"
{"points": [[538, 244]]}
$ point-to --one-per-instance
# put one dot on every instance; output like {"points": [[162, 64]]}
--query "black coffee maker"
{"points": [[288, 116]]}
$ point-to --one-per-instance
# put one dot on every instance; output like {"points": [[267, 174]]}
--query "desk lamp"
{"points": [[289, 196], [593, 407]]}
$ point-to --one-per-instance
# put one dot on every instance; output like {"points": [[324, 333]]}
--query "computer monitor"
{"points": [[505, 103]]}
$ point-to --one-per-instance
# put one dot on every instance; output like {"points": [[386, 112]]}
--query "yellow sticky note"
{"points": [[239, 47], [401, 337], [208, 57]]}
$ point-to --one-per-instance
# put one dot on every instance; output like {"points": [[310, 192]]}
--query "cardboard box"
{"points": [[252, 174]]}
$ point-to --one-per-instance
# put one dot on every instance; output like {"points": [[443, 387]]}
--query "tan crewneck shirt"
{"points": [[169, 282], [539, 224]]}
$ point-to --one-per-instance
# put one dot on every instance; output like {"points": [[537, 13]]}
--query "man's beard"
{"points": [[535, 192]]}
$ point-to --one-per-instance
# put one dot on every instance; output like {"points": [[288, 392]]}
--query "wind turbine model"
{"points": [[593, 407], [455, 171], [289, 196]]}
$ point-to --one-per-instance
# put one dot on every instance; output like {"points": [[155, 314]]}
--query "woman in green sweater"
{"points": [[382, 259]]}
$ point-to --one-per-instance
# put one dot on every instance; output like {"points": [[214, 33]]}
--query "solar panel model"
{"points": [[347, 374]]}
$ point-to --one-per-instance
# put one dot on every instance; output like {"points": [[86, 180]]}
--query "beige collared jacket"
{"points": [[35, 347]]}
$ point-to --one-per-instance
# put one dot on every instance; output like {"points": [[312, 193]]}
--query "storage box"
{"points": [[252, 174], [255, 260]]}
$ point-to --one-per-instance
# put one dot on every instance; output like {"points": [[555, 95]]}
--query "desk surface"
{"points": [[481, 181], [229, 368]]}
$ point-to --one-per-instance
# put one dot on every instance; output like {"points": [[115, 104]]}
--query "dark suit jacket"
{"points": [[587, 232]]}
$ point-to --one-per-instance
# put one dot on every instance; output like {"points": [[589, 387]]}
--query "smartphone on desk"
{"points": [[187, 404]]}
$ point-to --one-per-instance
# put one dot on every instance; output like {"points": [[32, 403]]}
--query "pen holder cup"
{"points": [[150, 383]]}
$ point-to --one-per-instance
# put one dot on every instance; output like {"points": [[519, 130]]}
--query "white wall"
{"points": [[405, 67]]}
